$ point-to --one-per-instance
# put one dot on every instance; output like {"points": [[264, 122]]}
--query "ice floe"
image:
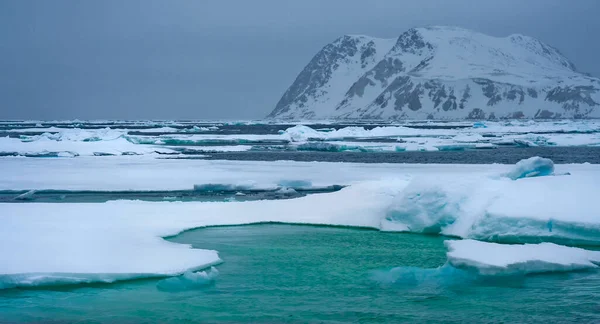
{"points": [[532, 167], [516, 259]]}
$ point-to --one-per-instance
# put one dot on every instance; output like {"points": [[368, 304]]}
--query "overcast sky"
{"points": [[175, 59]]}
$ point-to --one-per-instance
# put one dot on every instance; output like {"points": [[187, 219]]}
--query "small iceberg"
{"points": [[286, 191], [533, 167]]}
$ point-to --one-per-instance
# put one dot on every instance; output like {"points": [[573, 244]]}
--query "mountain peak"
{"points": [[440, 72]]}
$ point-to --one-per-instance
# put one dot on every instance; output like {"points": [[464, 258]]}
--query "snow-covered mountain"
{"points": [[440, 73]]}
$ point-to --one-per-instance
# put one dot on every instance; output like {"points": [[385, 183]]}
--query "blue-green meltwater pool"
{"points": [[299, 274]]}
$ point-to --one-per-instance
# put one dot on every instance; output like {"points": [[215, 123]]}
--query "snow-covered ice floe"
{"points": [[65, 243], [553, 208], [61, 139], [516, 259]]}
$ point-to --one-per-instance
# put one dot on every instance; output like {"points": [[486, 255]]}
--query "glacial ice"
{"points": [[493, 259]]}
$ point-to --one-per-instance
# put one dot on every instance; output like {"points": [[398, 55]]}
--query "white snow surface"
{"points": [[462, 53], [142, 173], [557, 208], [508, 259], [68, 243], [343, 72], [84, 242]]}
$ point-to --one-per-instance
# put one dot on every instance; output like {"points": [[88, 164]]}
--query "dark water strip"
{"points": [[67, 196], [503, 155]]}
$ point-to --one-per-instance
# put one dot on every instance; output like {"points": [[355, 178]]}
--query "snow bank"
{"points": [[502, 259]]}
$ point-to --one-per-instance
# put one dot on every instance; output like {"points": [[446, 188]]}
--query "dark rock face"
{"points": [[381, 72], [450, 103], [411, 42], [404, 93], [532, 93], [518, 115], [466, 95], [358, 88], [572, 97], [368, 51], [423, 64], [437, 92], [476, 113]]}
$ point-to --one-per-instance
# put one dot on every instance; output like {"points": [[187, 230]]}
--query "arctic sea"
{"points": [[193, 221], [300, 274]]}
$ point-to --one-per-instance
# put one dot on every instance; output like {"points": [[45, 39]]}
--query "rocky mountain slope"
{"points": [[440, 73]]}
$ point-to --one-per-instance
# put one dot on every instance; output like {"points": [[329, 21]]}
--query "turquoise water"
{"points": [[299, 274]]}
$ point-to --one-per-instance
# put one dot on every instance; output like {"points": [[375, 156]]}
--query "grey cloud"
{"points": [[137, 59]]}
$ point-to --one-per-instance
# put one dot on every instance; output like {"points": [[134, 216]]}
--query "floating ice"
{"points": [[533, 167], [85, 146], [189, 280], [60, 140], [300, 133], [286, 191], [503, 259], [26, 196], [445, 275]]}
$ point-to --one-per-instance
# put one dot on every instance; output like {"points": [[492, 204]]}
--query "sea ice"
{"points": [[189, 280], [505, 259], [532, 167], [87, 242], [499, 209]]}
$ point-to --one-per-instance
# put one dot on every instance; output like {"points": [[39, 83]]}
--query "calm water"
{"points": [[300, 274]]}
